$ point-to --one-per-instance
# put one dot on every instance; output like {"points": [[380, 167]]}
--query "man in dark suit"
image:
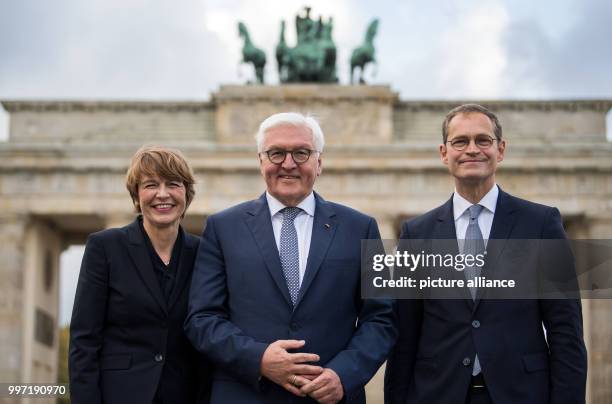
{"points": [[485, 350], [275, 299]]}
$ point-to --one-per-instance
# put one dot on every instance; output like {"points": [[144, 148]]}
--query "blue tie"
{"points": [[289, 252], [474, 244]]}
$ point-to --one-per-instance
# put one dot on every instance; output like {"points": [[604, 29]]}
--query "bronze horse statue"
{"points": [[365, 53], [282, 56], [252, 54], [313, 58]]}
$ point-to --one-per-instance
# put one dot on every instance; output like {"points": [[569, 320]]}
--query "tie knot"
{"points": [[290, 213], [475, 211]]}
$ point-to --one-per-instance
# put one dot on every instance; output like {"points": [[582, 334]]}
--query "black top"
{"points": [[126, 343], [166, 274]]}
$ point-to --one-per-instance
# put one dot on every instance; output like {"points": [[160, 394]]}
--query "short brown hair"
{"points": [[469, 109], [159, 161]]}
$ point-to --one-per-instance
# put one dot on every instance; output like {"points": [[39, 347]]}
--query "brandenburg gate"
{"points": [[63, 166]]}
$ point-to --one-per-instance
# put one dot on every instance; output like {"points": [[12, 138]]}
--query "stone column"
{"points": [[118, 220], [42, 248], [387, 224], [598, 329], [12, 234]]}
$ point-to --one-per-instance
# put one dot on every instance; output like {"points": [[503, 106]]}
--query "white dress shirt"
{"points": [[485, 219], [303, 225]]}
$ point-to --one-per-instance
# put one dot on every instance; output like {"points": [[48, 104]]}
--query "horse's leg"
{"points": [[259, 72]]}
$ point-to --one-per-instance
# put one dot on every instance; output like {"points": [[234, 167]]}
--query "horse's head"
{"points": [[327, 28], [372, 29], [242, 31]]}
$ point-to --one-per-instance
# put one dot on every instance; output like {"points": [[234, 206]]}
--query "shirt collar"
{"points": [[489, 201], [307, 205]]}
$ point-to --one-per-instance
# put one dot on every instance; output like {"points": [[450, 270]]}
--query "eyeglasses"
{"points": [[482, 142], [278, 156]]}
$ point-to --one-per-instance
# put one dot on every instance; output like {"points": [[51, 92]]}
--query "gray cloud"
{"points": [[109, 50], [154, 49], [575, 64]]}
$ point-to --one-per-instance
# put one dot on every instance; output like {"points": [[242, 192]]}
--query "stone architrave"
{"points": [[350, 115], [62, 177]]}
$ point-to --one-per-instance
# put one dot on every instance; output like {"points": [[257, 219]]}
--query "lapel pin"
{"points": [[327, 225]]}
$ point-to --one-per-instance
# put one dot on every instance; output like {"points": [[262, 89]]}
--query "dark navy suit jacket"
{"points": [[239, 302], [428, 364], [125, 339]]}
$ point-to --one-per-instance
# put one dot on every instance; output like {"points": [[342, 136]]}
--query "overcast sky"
{"points": [[446, 49], [184, 49]]}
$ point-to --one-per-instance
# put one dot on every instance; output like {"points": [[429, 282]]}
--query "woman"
{"points": [[126, 335]]}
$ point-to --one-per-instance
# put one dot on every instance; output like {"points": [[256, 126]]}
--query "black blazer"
{"points": [[125, 340], [432, 361]]}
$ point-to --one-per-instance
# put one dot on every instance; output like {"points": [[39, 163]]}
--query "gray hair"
{"points": [[292, 119], [470, 109]]}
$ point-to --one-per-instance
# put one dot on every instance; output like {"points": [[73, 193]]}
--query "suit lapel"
{"points": [[260, 223], [503, 222], [444, 232], [185, 266], [137, 251], [445, 225], [323, 230]]}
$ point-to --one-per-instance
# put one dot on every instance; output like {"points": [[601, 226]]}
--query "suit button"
{"points": [[466, 361], [294, 326], [159, 357], [476, 324]]}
